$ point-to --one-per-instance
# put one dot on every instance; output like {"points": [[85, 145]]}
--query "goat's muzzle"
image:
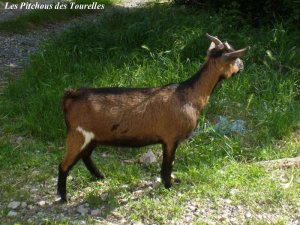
{"points": [[240, 65]]}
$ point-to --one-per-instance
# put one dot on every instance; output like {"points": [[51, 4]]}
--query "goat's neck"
{"points": [[200, 87]]}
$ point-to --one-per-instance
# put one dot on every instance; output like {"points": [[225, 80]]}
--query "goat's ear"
{"points": [[236, 54]]}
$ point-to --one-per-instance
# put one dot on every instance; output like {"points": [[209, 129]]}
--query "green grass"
{"points": [[152, 47], [38, 18]]}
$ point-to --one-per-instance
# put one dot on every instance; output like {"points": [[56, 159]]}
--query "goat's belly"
{"points": [[131, 142]]}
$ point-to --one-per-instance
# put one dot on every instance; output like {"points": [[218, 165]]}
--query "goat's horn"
{"points": [[215, 40], [227, 46], [236, 54]]}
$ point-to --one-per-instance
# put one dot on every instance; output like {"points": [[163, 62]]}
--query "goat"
{"points": [[134, 117]]}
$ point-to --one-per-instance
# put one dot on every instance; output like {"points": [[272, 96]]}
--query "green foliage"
{"points": [[258, 12]]}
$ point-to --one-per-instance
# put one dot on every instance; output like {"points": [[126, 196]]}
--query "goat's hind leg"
{"points": [[74, 143], [63, 171], [87, 159]]}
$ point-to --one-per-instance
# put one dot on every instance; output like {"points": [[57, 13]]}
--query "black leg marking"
{"points": [[87, 159], [62, 180], [167, 164], [62, 183], [92, 167]]}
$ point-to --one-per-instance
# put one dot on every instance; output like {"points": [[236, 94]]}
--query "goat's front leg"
{"points": [[169, 151]]}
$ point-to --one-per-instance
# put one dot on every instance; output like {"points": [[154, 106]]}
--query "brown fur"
{"points": [[139, 117]]}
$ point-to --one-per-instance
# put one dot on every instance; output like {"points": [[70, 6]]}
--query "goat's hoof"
{"points": [[63, 198], [168, 185], [63, 201], [96, 178], [59, 200], [100, 176]]}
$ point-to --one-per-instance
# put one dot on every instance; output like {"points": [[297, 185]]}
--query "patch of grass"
{"points": [[150, 47], [38, 18]]}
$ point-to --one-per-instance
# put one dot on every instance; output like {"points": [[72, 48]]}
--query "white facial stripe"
{"points": [[88, 136]]}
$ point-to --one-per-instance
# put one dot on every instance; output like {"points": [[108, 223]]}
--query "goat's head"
{"points": [[225, 57]]}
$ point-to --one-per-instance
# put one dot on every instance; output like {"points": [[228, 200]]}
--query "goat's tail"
{"points": [[67, 102], [68, 97]]}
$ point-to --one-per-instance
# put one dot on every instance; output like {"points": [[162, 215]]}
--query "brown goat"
{"points": [[132, 117]]}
